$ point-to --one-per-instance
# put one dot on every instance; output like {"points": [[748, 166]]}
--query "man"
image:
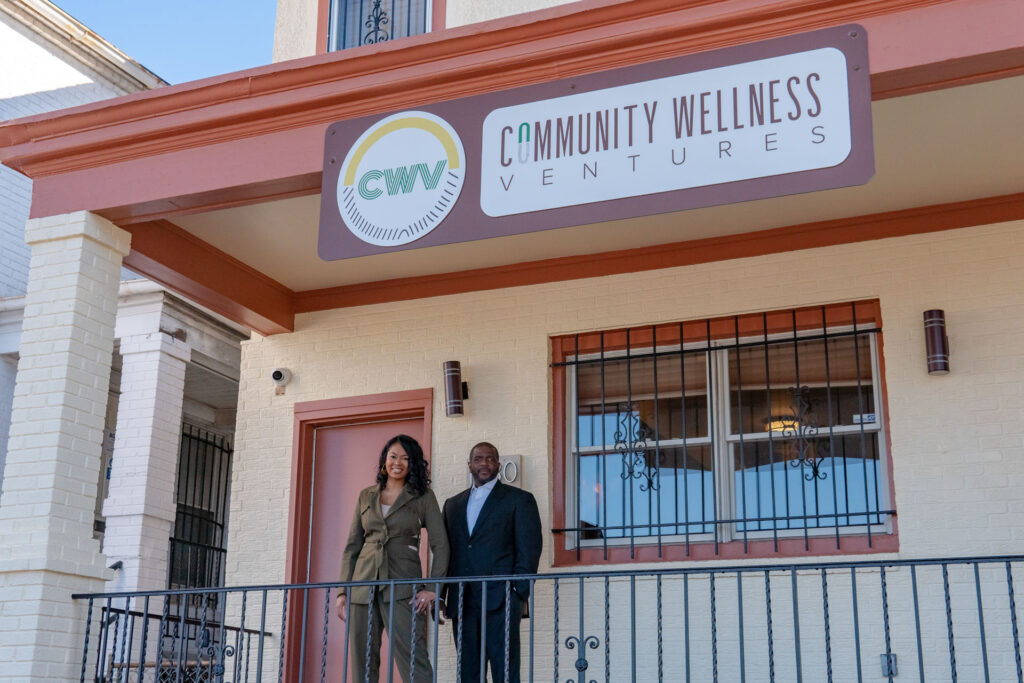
{"points": [[493, 529]]}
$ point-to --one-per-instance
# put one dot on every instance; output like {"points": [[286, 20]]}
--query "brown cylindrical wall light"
{"points": [[455, 390], [936, 342]]}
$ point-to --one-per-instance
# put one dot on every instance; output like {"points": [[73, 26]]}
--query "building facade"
{"points": [[745, 465]]}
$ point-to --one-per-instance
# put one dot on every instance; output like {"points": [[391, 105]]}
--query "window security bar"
{"points": [[198, 542], [728, 430]]}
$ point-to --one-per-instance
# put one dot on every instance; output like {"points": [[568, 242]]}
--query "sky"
{"points": [[183, 40]]}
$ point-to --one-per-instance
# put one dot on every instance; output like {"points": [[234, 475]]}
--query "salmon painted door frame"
{"points": [[312, 415], [416, 404]]}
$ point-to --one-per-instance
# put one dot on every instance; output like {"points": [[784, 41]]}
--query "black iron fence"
{"points": [[950, 619]]}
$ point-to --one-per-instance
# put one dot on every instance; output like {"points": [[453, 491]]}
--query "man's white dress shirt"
{"points": [[477, 498]]}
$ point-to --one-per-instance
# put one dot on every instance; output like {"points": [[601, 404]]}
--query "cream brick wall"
{"points": [[956, 440]]}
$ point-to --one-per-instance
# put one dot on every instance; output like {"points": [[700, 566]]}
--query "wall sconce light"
{"points": [[936, 342], [455, 390]]}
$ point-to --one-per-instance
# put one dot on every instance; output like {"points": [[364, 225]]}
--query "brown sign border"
{"points": [[467, 222]]}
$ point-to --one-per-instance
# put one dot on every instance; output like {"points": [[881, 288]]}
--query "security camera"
{"points": [[281, 376]]}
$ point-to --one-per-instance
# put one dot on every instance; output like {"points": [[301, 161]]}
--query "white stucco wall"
{"points": [[295, 29], [461, 12], [956, 440]]}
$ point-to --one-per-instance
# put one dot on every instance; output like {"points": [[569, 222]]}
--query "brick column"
{"points": [[47, 551], [140, 505]]}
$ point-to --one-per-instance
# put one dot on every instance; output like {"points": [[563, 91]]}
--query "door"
{"points": [[345, 462]]}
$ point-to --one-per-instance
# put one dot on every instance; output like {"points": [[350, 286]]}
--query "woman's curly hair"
{"points": [[418, 478]]}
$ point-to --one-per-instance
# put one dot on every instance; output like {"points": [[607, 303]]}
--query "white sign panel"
{"points": [[757, 119]]}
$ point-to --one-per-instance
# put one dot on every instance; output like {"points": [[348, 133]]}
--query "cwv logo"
{"points": [[400, 180]]}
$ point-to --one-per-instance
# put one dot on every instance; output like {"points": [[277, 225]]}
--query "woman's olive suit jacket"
{"points": [[388, 547]]}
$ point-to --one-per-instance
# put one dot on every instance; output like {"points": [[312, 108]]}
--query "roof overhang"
{"points": [[183, 152]]}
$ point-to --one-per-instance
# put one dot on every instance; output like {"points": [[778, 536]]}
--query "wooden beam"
{"points": [[165, 253]]}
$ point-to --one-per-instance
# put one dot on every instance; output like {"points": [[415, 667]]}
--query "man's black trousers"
{"points": [[495, 636]]}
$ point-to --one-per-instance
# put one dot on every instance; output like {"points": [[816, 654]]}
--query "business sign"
{"points": [[781, 117]]}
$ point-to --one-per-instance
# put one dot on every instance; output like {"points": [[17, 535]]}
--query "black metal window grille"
{"points": [[366, 22], [199, 540], [732, 429]]}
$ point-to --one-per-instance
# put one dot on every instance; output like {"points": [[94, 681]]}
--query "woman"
{"points": [[383, 543]]}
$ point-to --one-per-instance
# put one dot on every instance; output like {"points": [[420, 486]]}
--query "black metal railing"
{"points": [[948, 619], [367, 22]]}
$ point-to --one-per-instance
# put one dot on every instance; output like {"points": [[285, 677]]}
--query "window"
{"points": [[762, 433], [366, 22]]}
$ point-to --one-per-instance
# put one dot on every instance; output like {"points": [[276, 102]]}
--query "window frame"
{"points": [[726, 540], [434, 20], [730, 439]]}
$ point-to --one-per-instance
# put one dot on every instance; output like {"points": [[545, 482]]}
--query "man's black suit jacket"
{"points": [[506, 539]]}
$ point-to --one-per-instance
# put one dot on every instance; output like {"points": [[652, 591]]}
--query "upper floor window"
{"points": [[762, 433], [366, 22]]}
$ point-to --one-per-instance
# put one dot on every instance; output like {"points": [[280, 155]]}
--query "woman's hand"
{"points": [[340, 603], [422, 601]]}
